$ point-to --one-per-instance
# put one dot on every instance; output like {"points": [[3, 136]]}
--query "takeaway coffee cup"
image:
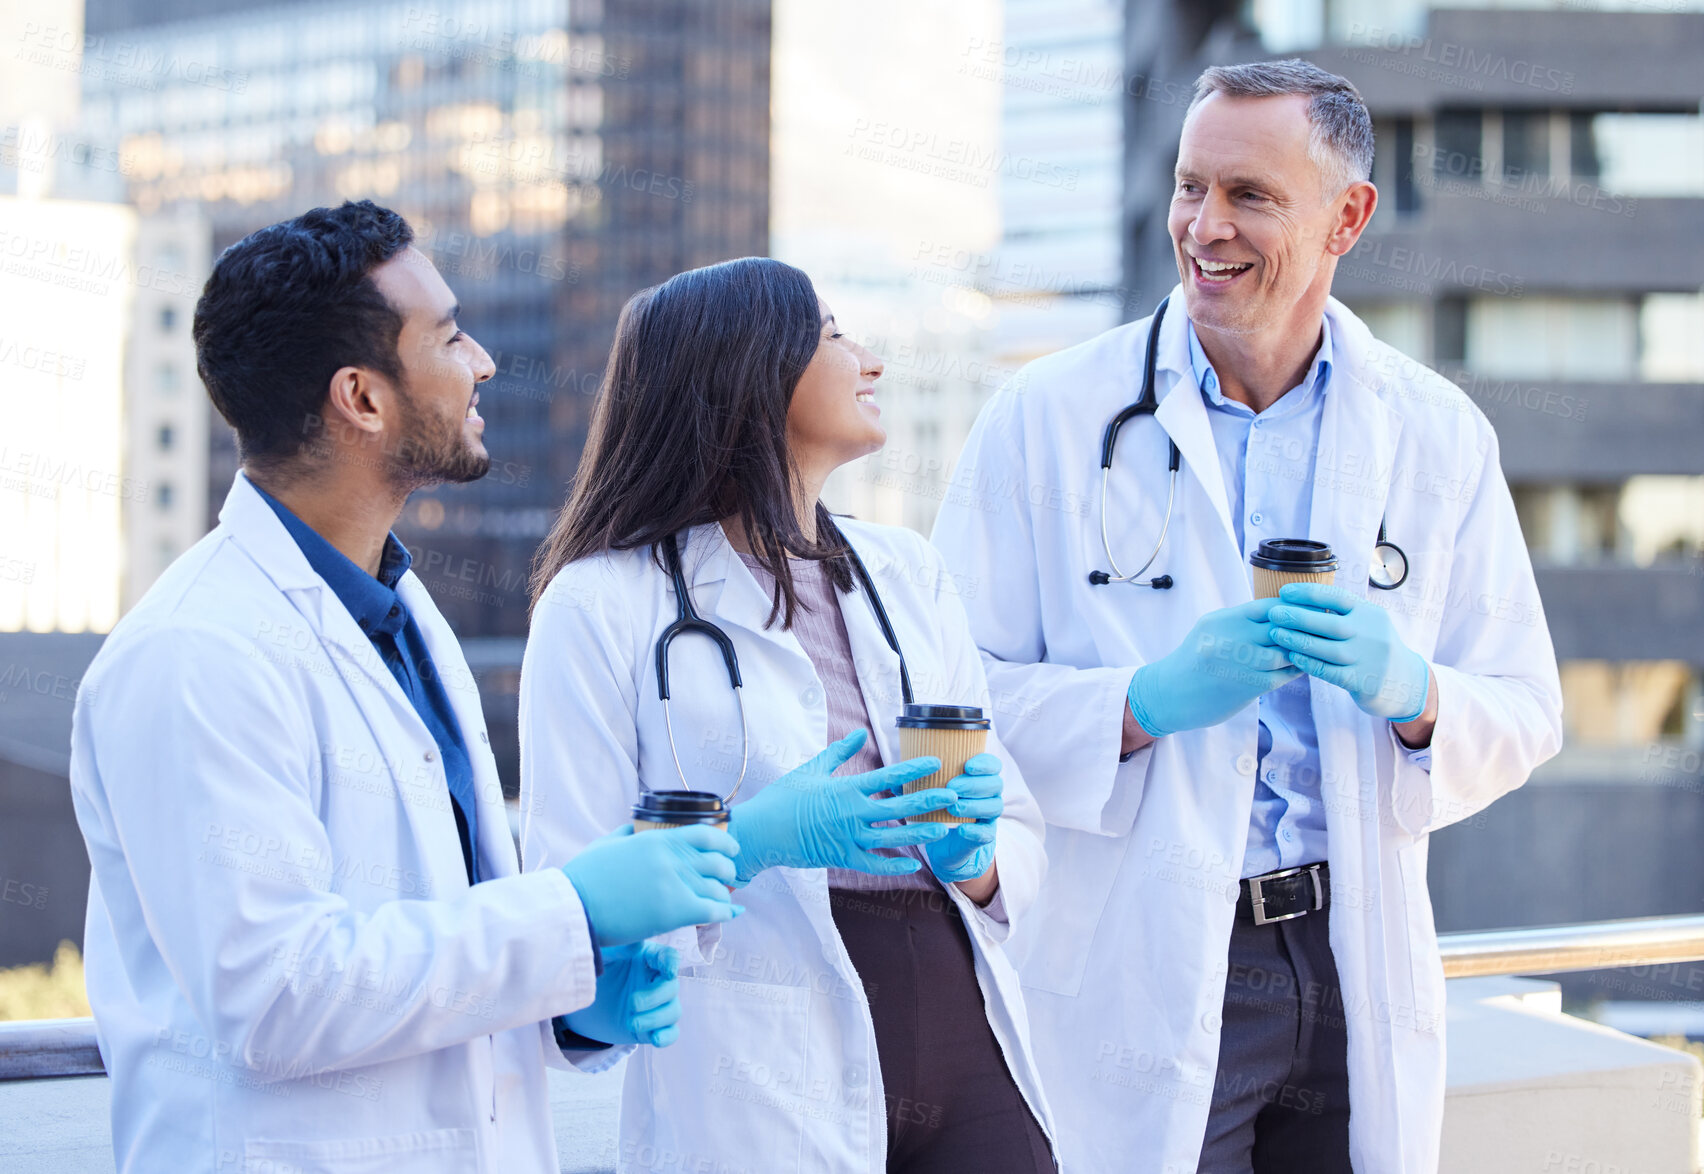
{"points": [[952, 733], [673, 809], [1290, 560]]}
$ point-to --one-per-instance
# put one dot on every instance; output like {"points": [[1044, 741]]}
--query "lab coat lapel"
{"points": [[1184, 416], [1356, 459], [876, 664], [372, 688], [258, 530], [724, 591], [1353, 469], [496, 846]]}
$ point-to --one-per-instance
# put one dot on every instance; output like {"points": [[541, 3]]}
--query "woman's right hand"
{"points": [[808, 818]]}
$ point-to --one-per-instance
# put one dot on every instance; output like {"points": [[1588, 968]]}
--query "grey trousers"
{"points": [[1281, 1097]]}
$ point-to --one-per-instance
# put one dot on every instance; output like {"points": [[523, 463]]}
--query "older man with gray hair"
{"points": [[1294, 631]]}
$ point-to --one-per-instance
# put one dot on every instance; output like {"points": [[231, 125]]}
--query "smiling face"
{"points": [[438, 431], [833, 418], [1256, 236]]}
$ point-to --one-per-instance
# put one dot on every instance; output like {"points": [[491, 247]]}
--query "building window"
{"points": [[1644, 155], [1553, 338], [1526, 148], [163, 496], [1582, 148], [1458, 148], [1671, 338], [166, 379], [1449, 331], [1569, 525], [1407, 193], [164, 438], [168, 319], [1645, 521], [1629, 703]]}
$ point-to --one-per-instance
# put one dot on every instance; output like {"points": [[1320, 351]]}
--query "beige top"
{"points": [[820, 628]]}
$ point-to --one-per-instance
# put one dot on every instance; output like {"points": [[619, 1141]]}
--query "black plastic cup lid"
{"points": [[942, 717], [680, 807], [1302, 555]]}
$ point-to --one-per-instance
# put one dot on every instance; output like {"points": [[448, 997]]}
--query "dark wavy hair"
{"points": [[284, 309], [690, 425]]}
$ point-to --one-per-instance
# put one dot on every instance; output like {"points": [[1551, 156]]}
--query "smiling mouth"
{"points": [[1219, 272], [473, 407], [866, 397]]}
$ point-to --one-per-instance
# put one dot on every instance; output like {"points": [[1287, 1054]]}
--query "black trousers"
{"points": [[952, 1105], [1281, 1097]]}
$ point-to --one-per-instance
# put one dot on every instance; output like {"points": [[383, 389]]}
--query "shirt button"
{"points": [[1257, 518], [393, 612], [485, 737], [1288, 834], [1245, 764], [1271, 776], [431, 756]]}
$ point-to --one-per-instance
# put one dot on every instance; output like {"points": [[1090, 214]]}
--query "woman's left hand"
{"points": [[966, 852]]}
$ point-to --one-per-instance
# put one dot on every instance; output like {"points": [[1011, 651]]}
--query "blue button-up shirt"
{"points": [[385, 619], [1268, 465]]}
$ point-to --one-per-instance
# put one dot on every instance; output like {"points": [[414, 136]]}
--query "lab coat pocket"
{"points": [[443, 1151], [1071, 908], [736, 1083]]}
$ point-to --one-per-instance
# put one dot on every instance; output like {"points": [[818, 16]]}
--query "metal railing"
{"points": [[37, 1048], [1557, 949]]}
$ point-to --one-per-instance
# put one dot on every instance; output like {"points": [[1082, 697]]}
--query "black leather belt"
{"points": [[1279, 896]]}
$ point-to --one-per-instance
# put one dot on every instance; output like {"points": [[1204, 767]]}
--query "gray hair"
{"points": [[1341, 140]]}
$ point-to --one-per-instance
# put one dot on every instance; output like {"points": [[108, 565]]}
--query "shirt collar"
{"points": [[1319, 372], [373, 602]]}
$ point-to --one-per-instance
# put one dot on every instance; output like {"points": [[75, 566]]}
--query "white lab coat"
{"points": [[776, 1067], [1124, 958], [288, 969]]}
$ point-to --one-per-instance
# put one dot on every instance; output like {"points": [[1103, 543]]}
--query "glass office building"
{"points": [[553, 159]]}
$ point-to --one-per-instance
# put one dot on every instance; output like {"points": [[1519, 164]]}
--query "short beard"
{"points": [[433, 453]]}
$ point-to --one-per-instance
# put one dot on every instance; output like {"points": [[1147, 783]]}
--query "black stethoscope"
{"points": [[1387, 572], [688, 620]]}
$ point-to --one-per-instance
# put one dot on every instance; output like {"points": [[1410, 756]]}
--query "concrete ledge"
{"points": [[1533, 1091]]}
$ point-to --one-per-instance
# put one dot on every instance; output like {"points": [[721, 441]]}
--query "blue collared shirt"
{"points": [[385, 620], [1268, 465]]}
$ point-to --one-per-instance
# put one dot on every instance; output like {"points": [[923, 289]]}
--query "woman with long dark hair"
{"points": [[860, 1014]]}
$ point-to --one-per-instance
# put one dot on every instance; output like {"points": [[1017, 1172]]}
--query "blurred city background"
{"points": [[971, 183]]}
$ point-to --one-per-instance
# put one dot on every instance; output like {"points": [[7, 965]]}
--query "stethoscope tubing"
{"points": [[1147, 404], [687, 619]]}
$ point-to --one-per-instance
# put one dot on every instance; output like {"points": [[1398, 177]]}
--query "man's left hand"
{"points": [[638, 999], [1350, 642]]}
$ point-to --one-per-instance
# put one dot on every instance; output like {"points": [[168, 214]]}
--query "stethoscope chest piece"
{"points": [[1389, 568]]}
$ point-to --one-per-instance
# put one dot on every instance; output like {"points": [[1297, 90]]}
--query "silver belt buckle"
{"points": [[1259, 902]]}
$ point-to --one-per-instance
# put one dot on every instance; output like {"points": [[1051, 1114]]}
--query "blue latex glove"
{"points": [[967, 850], [638, 1000], [1350, 642], [808, 818], [1227, 661], [635, 887]]}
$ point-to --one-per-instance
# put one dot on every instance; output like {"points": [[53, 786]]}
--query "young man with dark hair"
{"points": [[309, 947]]}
